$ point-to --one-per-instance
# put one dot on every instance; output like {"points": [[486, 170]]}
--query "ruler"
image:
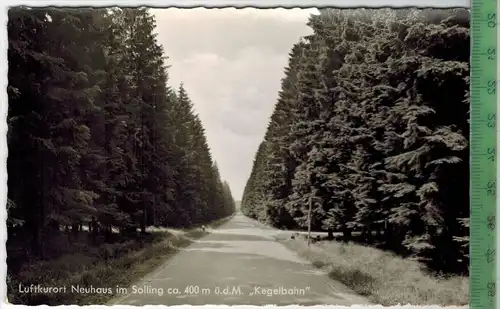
{"points": [[484, 183]]}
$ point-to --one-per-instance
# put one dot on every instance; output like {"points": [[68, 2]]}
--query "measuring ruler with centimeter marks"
{"points": [[484, 154]]}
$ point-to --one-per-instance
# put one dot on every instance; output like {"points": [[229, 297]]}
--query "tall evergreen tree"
{"points": [[372, 138], [97, 138]]}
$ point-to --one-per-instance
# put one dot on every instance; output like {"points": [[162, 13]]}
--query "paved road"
{"points": [[238, 264]]}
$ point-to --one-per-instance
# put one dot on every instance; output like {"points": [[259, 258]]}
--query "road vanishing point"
{"points": [[239, 263]]}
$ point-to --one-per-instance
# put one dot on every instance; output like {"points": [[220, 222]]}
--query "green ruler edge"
{"points": [[484, 150]]}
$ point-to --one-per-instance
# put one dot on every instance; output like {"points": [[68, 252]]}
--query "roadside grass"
{"points": [[106, 266], [382, 277]]}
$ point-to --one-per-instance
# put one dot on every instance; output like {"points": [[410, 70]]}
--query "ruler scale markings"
{"points": [[484, 153], [492, 56]]}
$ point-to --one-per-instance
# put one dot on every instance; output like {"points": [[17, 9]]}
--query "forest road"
{"points": [[238, 263]]}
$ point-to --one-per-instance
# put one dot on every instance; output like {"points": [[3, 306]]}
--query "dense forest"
{"points": [[97, 139], [371, 126]]}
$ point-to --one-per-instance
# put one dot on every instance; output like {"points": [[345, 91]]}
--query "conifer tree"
{"points": [[377, 105], [98, 140]]}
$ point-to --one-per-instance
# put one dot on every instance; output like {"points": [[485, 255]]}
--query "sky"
{"points": [[231, 63]]}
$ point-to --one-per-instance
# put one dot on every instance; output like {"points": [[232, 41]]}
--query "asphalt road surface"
{"points": [[239, 263]]}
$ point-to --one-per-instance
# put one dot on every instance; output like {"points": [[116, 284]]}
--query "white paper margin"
{"points": [[176, 3]]}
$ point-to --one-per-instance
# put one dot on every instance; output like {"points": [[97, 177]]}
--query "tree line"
{"points": [[372, 124], [96, 136]]}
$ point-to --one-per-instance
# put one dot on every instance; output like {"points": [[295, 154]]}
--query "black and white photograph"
{"points": [[238, 156]]}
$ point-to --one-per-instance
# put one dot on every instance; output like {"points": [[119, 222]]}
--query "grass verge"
{"points": [[105, 267], [381, 276]]}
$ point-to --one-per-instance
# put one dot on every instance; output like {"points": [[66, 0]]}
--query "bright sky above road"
{"points": [[231, 62]]}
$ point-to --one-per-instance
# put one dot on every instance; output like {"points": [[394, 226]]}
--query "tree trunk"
{"points": [[144, 217], [346, 233], [330, 235], [74, 230], [369, 236]]}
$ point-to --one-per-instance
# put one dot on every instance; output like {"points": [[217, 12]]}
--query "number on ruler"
{"points": [[491, 223], [491, 120], [492, 20], [491, 289], [492, 87], [492, 52], [491, 154], [490, 188], [490, 256]]}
